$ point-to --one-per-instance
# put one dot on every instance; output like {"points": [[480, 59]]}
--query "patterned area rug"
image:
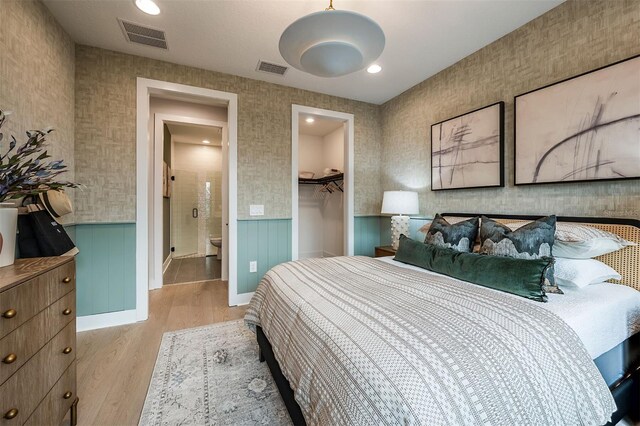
{"points": [[211, 376]]}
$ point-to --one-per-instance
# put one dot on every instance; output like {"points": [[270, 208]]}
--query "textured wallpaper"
{"points": [[37, 77], [105, 135], [575, 37]]}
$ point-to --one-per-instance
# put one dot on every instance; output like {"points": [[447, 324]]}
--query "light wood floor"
{"points": [[115, 364]]}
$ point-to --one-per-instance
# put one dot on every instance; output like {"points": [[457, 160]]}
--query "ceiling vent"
{"points": [[136, 33], [271, 68]]}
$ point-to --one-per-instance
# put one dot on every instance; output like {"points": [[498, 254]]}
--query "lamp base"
{"points": [[399, 226]]}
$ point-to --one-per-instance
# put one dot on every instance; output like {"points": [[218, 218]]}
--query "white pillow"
{"points": [[575, 232], [586, 249], [582, 272]]}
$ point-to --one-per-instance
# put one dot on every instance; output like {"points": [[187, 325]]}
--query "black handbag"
{"points": [[50, 237], [27, 242]]}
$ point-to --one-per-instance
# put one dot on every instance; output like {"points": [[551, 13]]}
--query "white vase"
{"points": [[8, 231]]}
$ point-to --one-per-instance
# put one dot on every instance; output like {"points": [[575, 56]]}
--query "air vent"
{"points": [[271, 68], [136, 33]]}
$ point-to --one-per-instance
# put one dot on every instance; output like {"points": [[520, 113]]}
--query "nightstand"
{"points": [[385, 251]]}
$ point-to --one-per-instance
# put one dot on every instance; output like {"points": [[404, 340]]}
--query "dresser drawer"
{"points": [[55, 405], [28, 386], [23, 342], [24, 301]]}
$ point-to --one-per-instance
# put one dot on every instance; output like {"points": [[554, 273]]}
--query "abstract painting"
{"points": [[467, 150], [585, 128]]}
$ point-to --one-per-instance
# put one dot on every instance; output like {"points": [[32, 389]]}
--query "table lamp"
{"points": [[399, 203]]}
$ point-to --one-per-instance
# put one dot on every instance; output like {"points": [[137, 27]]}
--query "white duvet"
{"points": [[602, 315]]}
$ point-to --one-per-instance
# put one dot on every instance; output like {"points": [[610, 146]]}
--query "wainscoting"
{"points": [[415, 223], [367, 233], [267, 241], [106, 268], [106, 263], [371, 231]]}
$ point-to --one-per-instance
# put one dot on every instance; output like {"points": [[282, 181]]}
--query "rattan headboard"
{"points": [[625, 261]]}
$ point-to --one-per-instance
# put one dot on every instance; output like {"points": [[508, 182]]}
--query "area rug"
{"points": [[211, 376]]}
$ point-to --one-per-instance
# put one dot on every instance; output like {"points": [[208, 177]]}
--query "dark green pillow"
{"points": [[522, 277], [531, 241]]}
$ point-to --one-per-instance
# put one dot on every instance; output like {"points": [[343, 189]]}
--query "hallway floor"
{"points": [[193, 269]]}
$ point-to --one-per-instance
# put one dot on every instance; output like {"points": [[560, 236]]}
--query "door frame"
{"points": [[159, 121], [145, 217], [348, 218]]}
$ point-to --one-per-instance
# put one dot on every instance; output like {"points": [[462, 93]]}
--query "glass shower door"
{"points": [[184, 213]]}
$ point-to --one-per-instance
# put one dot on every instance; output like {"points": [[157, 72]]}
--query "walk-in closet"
{"points": [[321, 187]]}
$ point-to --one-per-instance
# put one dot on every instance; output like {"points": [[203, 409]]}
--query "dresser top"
{"points": [[25, 269]]}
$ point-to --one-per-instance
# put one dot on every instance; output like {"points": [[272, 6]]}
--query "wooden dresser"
{"points": [[38, 341]]}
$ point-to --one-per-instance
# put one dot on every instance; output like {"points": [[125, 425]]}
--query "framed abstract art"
{"points": [[467, 151], [585, 128]]}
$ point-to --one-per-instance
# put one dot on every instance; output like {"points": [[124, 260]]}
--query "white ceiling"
{"points": [[195, 134], [422, 37], [320, 127]]}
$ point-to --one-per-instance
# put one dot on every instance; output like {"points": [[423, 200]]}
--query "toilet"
{"points": [[217, 242]]}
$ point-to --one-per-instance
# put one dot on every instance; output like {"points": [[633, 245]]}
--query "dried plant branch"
{"points": [[26, 169]]}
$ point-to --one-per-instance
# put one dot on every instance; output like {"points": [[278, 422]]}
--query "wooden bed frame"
{"points": [[625, 391]]}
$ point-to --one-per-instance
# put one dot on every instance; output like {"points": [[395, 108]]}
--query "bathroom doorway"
{"points": [[192, 161], [193, 252], [149, 200]]}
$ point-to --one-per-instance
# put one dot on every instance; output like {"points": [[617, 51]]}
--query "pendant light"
{"points": [[332, 43]]}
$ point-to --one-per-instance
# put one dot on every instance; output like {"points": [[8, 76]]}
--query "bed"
{"points": [[348, 340]]}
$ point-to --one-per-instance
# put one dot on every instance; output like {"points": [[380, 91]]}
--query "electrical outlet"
{"points": [[253, 266], [256, 210]]}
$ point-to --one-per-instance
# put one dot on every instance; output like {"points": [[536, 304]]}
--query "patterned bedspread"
{"points": [[364, 342]]}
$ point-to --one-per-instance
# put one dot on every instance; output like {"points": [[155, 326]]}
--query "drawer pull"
{"points": [[11, 414], [66, 280], [66, 312], [67, 350], [10, 359], [10, 313], [67, 395]]}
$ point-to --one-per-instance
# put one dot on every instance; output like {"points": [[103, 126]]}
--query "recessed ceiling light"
{"points": [[205, 141], [374, 69], [309, 120], [148, 6]]}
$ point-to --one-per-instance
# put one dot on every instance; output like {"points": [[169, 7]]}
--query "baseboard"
{"points": [[242, 299], [166, 264], [310, 254], [110, 319], [329, 254]]}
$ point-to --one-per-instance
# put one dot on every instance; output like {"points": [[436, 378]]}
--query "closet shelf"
{"points": [[322, 181], [325, 182]]}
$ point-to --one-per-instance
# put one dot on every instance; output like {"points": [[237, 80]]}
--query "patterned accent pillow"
{"points": [[533, 240], [459, 236], [578, 241]]}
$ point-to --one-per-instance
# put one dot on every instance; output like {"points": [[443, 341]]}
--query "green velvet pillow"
{"points": [[522, 277]]}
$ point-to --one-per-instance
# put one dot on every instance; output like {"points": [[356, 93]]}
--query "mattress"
{"points": [[602, 315]]}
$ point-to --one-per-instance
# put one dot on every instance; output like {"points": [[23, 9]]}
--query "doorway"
{"points": [[192, 246], [149, 198], [322, 183]]}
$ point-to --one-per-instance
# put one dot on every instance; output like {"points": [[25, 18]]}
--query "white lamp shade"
{"points": [[332, 43], [400, 202]]}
